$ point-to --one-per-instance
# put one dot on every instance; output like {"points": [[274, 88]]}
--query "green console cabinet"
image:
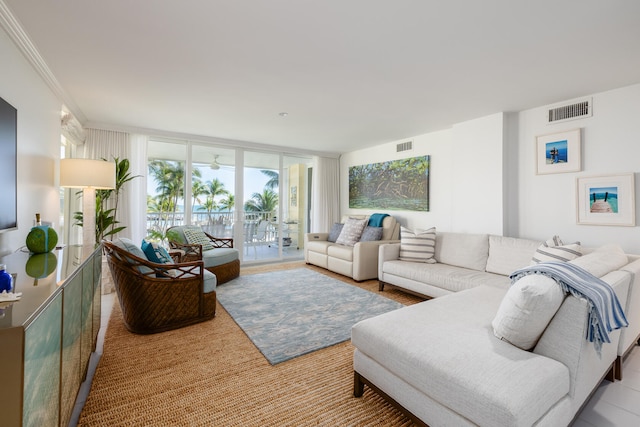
{"points": [[47, 337]]}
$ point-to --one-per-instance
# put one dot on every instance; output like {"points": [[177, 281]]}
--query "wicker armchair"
{"points": [[159, 297], [223, 260]]}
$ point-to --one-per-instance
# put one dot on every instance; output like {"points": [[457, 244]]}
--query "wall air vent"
{"points": [[573, 111], [404, 146]]}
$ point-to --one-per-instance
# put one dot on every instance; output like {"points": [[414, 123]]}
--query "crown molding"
{"points": [[14, 30]]}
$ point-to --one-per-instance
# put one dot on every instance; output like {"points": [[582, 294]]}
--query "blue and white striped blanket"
{"points": [[605, 312]]}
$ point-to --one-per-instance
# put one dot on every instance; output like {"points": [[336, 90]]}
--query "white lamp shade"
{"points": [[83, 173]]}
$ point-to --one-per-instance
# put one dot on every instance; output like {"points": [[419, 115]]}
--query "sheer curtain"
{"points": [[325, 194], [137, 196], [107, 144]]}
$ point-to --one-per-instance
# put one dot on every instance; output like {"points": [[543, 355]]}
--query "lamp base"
{"points": [[89, 217]]}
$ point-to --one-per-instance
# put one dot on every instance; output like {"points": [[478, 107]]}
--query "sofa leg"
{"points": [[611, 376], [617, 368], [358, 385], [380, 285]]}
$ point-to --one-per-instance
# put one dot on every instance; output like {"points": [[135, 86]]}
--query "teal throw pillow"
{"points": [[156, 253]]}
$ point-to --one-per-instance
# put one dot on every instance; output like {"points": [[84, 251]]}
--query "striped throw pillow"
{"points": [[555, 250], [418, 246]]}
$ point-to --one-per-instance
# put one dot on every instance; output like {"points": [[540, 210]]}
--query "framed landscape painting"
{"points": [[606, 200], [558, 152], [395, 185]]}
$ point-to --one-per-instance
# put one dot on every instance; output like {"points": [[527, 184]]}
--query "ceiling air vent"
{"points": [[576, 110], [404, 146]]}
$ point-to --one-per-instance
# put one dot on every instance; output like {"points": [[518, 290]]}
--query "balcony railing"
{"points": [[219, 224]]}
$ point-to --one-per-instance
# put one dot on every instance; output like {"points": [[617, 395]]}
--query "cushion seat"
{"points": [[210, 281], [475, 374], [218, 254], [341, 252], [319, 247], [448, 277]]}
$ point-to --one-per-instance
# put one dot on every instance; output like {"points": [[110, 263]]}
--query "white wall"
{"points": [[483, 173], [38, 143], [465, 176], [477, 184], [546, 204]]}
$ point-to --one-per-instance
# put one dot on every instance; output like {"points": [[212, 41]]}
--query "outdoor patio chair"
{"points": [[218, 254]]}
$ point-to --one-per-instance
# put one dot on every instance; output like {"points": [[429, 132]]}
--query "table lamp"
{"points": [[90, 175]]}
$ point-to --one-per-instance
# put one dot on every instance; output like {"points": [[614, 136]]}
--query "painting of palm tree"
{"points": [[396, 185]]}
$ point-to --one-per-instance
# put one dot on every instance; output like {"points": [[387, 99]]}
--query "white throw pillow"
{"points": [[418, 246], [351, 232], [603, 260], [554, 250], [526, 310]]}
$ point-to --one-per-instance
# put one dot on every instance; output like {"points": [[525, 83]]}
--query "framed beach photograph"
{"points": [[558, 152], [606, 200]]}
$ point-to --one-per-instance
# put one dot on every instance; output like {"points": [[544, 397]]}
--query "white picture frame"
{"points": [[559, 152], [606, 200]]}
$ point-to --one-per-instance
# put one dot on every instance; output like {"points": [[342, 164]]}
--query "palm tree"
{"points": [[267, 201], [198, 188], [213, 188], [169, 176], [274, 178], [228, 203]]}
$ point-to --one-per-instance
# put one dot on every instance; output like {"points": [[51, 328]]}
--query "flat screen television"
{"points": [[8, 167]]}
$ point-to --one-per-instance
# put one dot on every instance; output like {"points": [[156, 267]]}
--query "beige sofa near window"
{"points": [[360, 262]]}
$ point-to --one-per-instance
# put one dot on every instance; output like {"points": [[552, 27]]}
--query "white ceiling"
{"points": [[350, 73]]}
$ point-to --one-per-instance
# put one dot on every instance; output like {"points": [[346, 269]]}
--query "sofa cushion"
{"points": [[336, 229], [319, 246], [196, 236], [507, 254], [132, 248], [341, 252], [390, 228], [463, 249], [555, 250], [456, 360], [526, 310], [210, 281], [443, 276], [351, 231], [219, 256], [371, 234], [603, 260], [156, 253], [418, 246]]}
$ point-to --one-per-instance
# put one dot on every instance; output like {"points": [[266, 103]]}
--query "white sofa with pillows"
{"points": [[351, 247], [486, 352]]}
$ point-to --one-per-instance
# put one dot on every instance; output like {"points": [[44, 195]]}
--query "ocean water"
{"points": [[562, 154], [612, 199]]}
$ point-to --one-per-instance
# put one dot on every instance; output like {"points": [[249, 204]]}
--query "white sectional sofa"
{"points": [[360, 261], [441, 362]]}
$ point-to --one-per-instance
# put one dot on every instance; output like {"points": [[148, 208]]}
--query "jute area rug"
{"points": [[210, 374]]}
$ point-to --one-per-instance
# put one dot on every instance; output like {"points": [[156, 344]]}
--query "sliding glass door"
{"points": [[258, 198], [213, 189]]}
